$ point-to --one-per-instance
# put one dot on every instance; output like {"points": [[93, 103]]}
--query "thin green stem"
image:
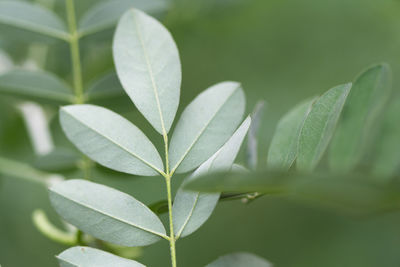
{"points": [[171, 224], [75, 55]]}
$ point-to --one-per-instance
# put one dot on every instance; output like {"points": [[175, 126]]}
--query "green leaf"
{"points": [[35, 85], [387, 155], [239, 259], [107, 92], [88, 257], [192, 209], [283, 149], [106, 213], [21, 170], [148, 66], [319, 127], [367, 99], [355, 193], [252, 140], [110, 140], [33, 18], [60, 159], [106, 14], [205, 125]]}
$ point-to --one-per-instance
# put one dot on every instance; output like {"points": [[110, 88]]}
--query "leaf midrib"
{"points": [[150, 71]]}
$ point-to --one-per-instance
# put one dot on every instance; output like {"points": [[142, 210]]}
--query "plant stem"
{"points": [[171, 224], [76, 71], [75, 55]]}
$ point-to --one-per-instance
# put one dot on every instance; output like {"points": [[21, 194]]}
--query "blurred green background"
{"points": [[282, 51]]}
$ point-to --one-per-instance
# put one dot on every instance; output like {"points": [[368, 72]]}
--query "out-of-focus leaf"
{"points": [[88, 257], [239, 259], [351, 193], [108, 92], [319, 127], [35, 85], [205, 125], [284, 146], [192, 209], [365, 102], [252, 141], [106, 14], [22, 170], [33, 18], [110, 140], [387, 156], [60, 159], [106, 213], [148, 66]]}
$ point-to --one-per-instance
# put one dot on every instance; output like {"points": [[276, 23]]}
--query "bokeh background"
{"points": [[282, 51]]}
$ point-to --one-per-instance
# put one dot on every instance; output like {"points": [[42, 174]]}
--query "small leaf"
{"points": [[367, 99], [192, 209], [110, 140], [319, 126], [252, 140], [60, 159], [88, 257], [239, 259], [148, 66], [32, 18], [35, 85], [107, 92], [283, 149], [387, 155], [205, 125], [106, 213], [106, 14]]}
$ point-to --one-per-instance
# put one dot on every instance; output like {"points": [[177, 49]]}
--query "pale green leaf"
{"points": [[192, 209], [106, 14], [239, 259], [205, 125], [110, 140], [33, 18], [283, 149], [319, 127], [367, 99], [35, 85], [90, 257], [106, 213], [387, 154], [148, 66]]}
